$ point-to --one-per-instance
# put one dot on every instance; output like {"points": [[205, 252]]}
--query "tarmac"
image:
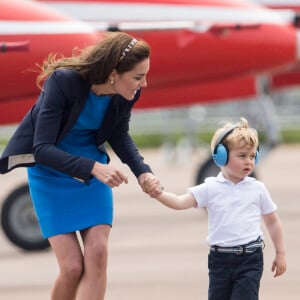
{"points": [[157, 253]]}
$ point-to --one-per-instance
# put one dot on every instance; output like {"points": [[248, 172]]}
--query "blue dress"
{"points": [[62, 203]]}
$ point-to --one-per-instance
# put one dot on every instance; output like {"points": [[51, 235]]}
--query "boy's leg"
{"points": [[220, 284], [247, 276]]}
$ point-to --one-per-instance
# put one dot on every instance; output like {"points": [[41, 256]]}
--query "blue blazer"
{"points": [[52, 117]]}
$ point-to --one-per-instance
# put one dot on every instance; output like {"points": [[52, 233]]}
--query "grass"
{"points": [[291, 136], [156, 140], [3, 142]]}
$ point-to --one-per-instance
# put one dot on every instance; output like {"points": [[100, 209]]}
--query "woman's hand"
{"points": [[108, 175], [150, 184]]}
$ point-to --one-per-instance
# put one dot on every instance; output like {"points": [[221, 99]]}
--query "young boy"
{"points": [[235, 203]]}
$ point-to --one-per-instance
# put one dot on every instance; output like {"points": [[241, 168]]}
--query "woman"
{"points": [[86, 101]]}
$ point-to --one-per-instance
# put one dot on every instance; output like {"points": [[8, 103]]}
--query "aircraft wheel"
{"points": [[208, 169], [19, 221]]}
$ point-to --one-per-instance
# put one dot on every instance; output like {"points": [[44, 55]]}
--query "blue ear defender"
{"points": [[220, 154]]}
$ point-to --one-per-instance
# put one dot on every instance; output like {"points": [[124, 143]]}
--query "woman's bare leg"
{"points": [[93, 282], [70, 260]]}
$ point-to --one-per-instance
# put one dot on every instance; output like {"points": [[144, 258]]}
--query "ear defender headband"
{"points": [[220, 154]]}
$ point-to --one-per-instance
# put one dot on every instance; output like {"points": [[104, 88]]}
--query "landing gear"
{"points": [[19, 221]]}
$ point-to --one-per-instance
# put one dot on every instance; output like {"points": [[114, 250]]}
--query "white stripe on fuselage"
{"points": [[112, 13], [278, 2], [117, 12], [44, 27]]}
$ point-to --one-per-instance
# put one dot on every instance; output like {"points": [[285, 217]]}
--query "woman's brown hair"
{"points": [[96, 62]]}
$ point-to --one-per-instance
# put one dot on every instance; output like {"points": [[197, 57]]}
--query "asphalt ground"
{"points": [[157, 253]]}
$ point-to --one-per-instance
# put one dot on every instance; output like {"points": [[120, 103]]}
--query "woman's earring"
{"points": [[112, 82]]}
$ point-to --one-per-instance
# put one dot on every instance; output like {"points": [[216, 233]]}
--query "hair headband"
{"points": [[128, 48]]}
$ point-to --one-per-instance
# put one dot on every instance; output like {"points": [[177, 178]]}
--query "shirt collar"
{"points": [[221, 178]]}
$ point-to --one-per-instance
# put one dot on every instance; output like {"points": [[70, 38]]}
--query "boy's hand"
{"points": [[150, 184], [279, 265], [152, 187]]}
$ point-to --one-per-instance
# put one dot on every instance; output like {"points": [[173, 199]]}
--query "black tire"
{"points": [[19, 221], [208, 169]]}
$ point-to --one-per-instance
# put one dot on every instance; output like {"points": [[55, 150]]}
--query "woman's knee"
{"points": [[72, 270], [69, 255], [95, 242], [98, 251]]}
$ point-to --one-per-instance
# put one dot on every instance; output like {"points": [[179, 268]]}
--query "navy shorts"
{"points": [[235, 276]]}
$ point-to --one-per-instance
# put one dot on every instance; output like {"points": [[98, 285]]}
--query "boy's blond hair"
{"points": [[241, 134]]}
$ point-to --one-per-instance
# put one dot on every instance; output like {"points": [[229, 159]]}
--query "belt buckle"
{"points": [[240, 250]]}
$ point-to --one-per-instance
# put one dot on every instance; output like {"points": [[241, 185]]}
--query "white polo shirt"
{"points": [[234, 210]]}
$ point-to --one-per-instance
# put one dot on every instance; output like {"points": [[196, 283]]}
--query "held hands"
{"points": [[113, 178], [150, 184], [108, 175]]}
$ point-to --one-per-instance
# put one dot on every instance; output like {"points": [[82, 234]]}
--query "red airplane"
{"points": [[208, 41], [219, 17], [202, 51]]}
